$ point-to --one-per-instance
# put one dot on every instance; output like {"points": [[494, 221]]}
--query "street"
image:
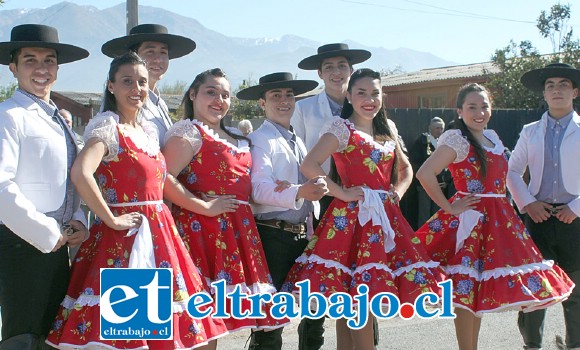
{"points": [[498, 331]]}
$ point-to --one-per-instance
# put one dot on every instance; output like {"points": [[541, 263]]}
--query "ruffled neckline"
{"points": [[491, 135], [387, 147], [216, 137], [498, 145], [150, 144]]}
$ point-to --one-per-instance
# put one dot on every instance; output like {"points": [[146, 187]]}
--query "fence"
{"points": [[506, 122]]}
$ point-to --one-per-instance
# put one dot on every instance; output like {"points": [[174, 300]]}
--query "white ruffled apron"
{"points": [[142, 256], [469, 219], [372, 208]]}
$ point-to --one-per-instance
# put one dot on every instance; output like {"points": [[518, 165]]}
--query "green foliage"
{"points": [[555, 24], [516, 59], [7, 91], [177, 88], [240, 109], [513, 61]]}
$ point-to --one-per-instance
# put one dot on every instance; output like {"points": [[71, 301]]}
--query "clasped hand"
{"points": [[540, 211]]}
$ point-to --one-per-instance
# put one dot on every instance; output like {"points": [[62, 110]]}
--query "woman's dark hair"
{"points": [[187, 103], [381, 130], [460, 124], [109, 102]]}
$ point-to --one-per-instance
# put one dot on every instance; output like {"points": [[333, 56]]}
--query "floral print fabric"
{"points": [[225, 247], [498, 267], [131, 175], [342, 254]]}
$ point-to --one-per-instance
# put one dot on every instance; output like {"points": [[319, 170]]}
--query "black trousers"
{"points": [[32, 285], [281, 251], [559, 242]]}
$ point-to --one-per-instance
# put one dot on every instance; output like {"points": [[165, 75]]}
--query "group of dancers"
{"points": [[310, 195]]}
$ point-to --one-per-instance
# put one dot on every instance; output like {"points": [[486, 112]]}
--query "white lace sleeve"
{"points": [[186, 130], [103, 126], [454, 139], [338, 128], [499, 148]]}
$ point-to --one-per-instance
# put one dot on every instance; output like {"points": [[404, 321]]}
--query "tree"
{"points": [[7, 91], [241, 109], [385, 72], [513, 61], [177, 88], [516, 59], [555, 25]]}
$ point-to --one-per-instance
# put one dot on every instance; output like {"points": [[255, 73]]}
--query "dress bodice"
{"points": [[218, 168], [132, 175], [466, 169], [364, 161], [467, 175]]}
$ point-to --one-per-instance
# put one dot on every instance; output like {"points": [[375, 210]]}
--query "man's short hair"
{"points": [[14, 56]]}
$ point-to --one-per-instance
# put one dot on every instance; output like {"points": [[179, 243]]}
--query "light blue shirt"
{"points": [[552, 186], [156, 111], [335, 108]]}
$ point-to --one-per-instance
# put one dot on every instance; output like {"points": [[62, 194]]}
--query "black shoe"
{"points": [[261, 340], [311, 334], [26, 341]]}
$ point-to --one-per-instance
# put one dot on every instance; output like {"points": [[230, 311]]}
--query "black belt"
{"points": [[299, 230]]}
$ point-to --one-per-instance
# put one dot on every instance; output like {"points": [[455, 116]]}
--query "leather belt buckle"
{"points": [[553, 211], [299, 230]]}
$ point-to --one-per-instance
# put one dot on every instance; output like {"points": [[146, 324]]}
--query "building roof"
{"points": [[95, 98], [442, 73], [83, 98]]}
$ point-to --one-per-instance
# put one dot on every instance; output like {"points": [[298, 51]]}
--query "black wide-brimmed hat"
{"points": [[334, 50], [178, 45], [535, 79], [281, 80], [38, 35]]}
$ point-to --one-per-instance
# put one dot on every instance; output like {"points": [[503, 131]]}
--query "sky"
{"points": [[456, 30]]}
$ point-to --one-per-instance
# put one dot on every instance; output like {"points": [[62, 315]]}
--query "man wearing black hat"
{"points": [[277, 153], [549, 147], [334, 65], [156, 47], [40, 210]]}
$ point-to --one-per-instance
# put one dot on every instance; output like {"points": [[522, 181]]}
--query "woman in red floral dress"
{"points": [[120, 174], [477, 236], [354, 245], [212, 165]]}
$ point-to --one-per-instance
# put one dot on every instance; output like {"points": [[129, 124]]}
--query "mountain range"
{"points": [[240, 58]]}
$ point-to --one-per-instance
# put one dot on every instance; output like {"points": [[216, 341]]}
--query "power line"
{"points": [[450, 12]]}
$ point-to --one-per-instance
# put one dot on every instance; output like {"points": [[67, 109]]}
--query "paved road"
{"points": [[498, 332]]}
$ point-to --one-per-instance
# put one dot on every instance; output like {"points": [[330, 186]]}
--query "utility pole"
{"points": [[132, 14]]}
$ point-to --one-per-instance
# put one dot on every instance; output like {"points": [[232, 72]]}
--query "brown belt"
{"points": [[299, 230]]}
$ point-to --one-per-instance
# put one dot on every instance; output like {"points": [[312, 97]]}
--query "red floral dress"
{"points": [[130, 173], [225, 247], [487, 252], [343, 253]]}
